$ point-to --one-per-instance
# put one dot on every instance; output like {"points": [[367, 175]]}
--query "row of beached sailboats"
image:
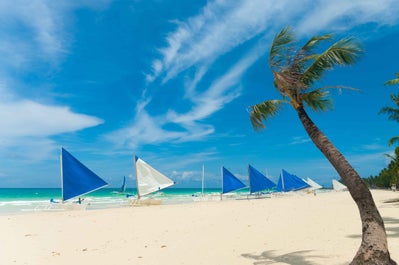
{"points": [[78, 180], [259, 183]]}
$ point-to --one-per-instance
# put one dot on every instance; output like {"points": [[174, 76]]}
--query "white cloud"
{"points": [[34, 33], [38, 36], [220, 27], [28, 118], [27, 128], [342, 15], [300, 140], [149, 129], [37, 29]]}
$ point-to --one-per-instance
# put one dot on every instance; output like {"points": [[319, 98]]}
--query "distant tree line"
{"points": [[388, 176]]}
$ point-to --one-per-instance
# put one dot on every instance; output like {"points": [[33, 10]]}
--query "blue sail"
{"points": [[258, 181], [123, 188], [289, 182], [77, 179], [230, 182]]}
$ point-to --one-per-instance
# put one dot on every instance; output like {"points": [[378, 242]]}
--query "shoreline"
{"points": [[296, 229]]}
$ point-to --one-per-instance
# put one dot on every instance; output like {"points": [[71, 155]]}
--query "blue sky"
{"points": [[171, 81]]}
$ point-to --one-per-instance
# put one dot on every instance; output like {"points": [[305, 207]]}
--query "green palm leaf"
{"points": [[315, 41], [393, 140], [393, 81], [393, 113], [344, 52], [263, 111], [317, 100], [281, 42]]}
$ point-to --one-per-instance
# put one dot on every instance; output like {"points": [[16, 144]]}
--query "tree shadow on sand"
{"points": [[293, 258], [391, 227]]}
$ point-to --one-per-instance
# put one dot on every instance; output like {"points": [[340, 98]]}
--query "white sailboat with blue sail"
{"points": [[76, 181]]}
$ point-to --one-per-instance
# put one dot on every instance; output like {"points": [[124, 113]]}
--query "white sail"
{"points": [[338, 186], [313, 184], [150, 180]]}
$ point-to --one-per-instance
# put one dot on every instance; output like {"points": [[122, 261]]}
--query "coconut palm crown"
{"points": [[297, 70]]}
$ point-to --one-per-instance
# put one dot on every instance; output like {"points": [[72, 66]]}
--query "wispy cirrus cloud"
{"points": [[221, 26], [300, 140], [343, 15], [149, 129], [201, 43]]}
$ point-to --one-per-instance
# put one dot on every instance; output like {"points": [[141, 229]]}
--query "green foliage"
{"points": [[387, 176], [393, 81], [392, 112], [263, 111]]}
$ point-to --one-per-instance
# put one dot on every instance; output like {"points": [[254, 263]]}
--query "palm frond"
{"points": [[393, 140], [318, 100], [306, 54], [315, 41], [263, 111], [393, 81], [393, 113], [280, 43], [344, 52]]}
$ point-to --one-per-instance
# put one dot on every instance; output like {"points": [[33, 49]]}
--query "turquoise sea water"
{"points": [[20, 200]]}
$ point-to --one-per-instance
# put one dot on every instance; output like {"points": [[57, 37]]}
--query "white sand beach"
{"points": [[297, 229]]}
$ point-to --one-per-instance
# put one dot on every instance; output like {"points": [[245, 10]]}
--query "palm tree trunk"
{"points": [[374, 247]]}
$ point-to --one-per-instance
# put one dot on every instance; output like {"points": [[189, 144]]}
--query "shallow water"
{"points": [[20, 200]]}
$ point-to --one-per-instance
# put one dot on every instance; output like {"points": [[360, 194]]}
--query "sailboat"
{"points": [[76, 181], [338, 186], [230, 182], [123, 188], [314, 185], [288, 182], [257, 181], [148, 181], [200, 196]]}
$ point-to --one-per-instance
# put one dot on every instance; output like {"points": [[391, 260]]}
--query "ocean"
{"points": [[20, 200]]}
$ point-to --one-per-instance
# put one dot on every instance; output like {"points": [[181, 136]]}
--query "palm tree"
{"points": [[392, 112], [295, 71]]}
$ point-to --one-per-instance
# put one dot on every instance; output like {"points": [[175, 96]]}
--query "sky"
{"points": [[171, 82]]}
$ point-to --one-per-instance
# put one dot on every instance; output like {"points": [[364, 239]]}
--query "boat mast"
{"points": [[62, 177], [282, 180], [249, 180], [203, 179], [137, 180], [221, 174]]}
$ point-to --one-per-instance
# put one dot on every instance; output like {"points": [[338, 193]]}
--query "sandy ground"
{"points": [[293, 229]]}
